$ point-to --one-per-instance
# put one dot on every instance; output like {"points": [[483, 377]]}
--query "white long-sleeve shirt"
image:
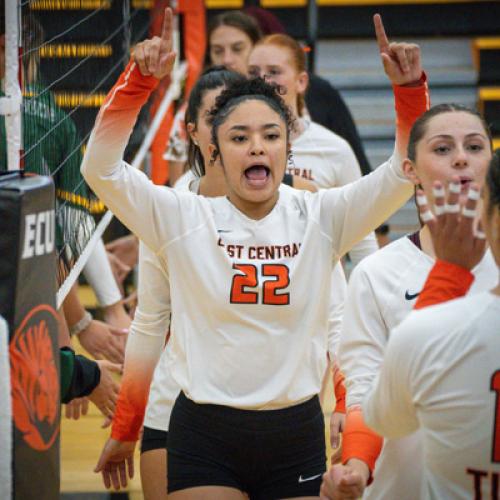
{"points": [[441, 374], [382, 291], [252, 295]]}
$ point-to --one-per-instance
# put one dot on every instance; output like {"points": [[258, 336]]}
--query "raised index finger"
{"points": [[382, 40], [166, 30]]}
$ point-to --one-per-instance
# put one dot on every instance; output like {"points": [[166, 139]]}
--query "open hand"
{"points": [[401, 60], [104, 396], [155, 56], [103, 340], [454, 237], [116, 462]]}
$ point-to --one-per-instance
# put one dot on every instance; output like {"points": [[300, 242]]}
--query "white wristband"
{"points": [[83, 324]]}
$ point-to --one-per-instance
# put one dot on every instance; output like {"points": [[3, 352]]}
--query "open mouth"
{"points": [[257, 175], [465, 182]]}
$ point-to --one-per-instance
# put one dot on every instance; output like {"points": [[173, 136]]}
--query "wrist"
{"points": [[360, 467], [81, 325]]}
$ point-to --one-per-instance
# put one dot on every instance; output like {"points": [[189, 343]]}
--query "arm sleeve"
{"points": [[127, 192], [389, 408], [100, 276], [362, 344], [349, 213], [446, 281], [338, 295], [144, 345], [79, 376], [363, 338]]}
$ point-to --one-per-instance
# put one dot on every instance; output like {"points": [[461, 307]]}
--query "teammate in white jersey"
{"points": [[446, 142], [317, 153], [154, 315], [441, 374], [250, 277], [208, 181]]}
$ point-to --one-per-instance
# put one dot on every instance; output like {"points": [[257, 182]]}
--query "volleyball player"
{"points": [[208, 180], [441, 375], [448, 142], [249, 346]]}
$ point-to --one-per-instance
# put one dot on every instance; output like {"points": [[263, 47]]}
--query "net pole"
{"points": [[10, 105]]}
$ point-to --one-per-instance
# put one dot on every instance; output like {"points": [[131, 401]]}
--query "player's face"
{"points": [[230, 47], [253, 152], [454, 144], [201, 131], [275, 64]]}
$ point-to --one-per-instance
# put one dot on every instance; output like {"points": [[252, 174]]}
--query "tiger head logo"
{"points": [[34, 379]]}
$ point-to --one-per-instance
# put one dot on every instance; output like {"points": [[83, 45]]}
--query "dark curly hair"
{"points": [[493, 182], [420, 126], [211, 79], [253, 89]]}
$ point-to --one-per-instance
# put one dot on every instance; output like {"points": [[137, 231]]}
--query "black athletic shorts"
{"points": [[267, 454], [153, 439]]}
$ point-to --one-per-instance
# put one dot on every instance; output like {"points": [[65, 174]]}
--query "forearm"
{"points": [[141, 357], [360, 442], [72, 307], [410, 102], [99, 274], [79, 375], [127, 192]]}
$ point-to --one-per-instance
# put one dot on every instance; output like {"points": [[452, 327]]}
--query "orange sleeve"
{"points": [[359, 441], [114, 124], [409, 103], [339, 389], [446, 281]]}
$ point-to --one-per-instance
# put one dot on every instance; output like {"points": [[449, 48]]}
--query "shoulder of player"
{"points": [[394, 258], [438, 322]]}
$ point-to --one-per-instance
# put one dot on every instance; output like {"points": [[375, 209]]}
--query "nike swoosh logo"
{"points": [[411, 296], [304, 479], [224, 231]]}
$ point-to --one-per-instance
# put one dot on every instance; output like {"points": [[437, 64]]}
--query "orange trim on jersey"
{"points": [[446, 281], [359, 441], [410, 103], [131, 404], [119, 111], [339, 389]]}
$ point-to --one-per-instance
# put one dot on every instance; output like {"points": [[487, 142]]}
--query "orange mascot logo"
{"points": [[34, 379]]}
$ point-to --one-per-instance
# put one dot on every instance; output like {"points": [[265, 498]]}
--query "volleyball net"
{"points": [[69, 53]]}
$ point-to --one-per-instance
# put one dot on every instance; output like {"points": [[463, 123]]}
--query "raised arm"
{"points": [[126, 191], [351, 212]]}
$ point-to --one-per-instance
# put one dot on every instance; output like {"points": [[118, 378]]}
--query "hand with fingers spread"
{"points": [[401, 60], [452, 225], [116, 463], [104, 396], [103, 340], [76, 408], [155, 56]]}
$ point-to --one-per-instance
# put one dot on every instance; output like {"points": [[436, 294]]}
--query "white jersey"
{"points": [[328, 160], [251, 297], [382, 291], [441, 373]]}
